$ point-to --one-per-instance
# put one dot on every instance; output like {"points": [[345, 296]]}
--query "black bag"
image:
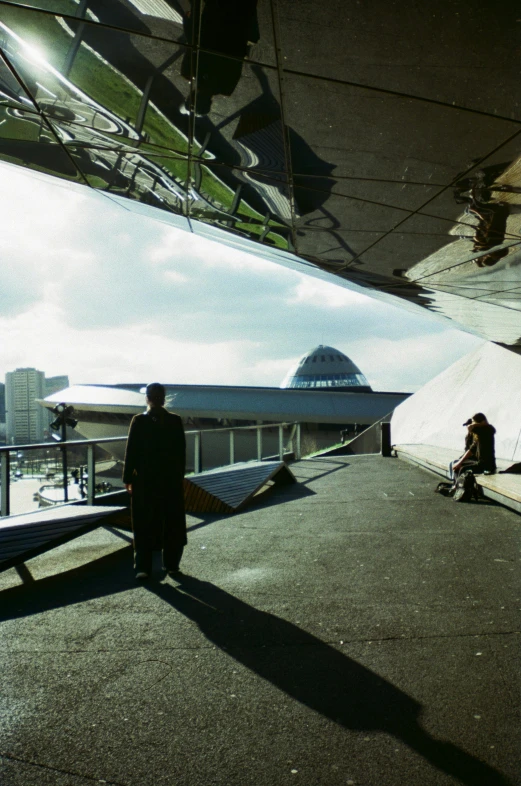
{"points": [[466, 489], [447, 489]]}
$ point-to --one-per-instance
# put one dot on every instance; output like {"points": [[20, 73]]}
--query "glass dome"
{"points": [[326, 367]]}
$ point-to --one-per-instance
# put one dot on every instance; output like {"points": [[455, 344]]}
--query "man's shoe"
{"points": [[174, 572], [141, 574]]}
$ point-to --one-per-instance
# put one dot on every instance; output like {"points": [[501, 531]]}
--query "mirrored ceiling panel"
{"points": [[134, 176], [247, 195], [490, 320], [397, 194], [333, 246], [396, 251], [243, 26], [382, 147], [82, 89], [26, 139], [317, 211], [367, 134], [268, 233], [239, 29], [12, 91], [238, 114], [458, 52], [161, 18], [160, 119]]}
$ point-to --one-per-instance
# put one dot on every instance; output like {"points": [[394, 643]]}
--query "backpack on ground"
{"points": [[447, 489], [466, 488]]}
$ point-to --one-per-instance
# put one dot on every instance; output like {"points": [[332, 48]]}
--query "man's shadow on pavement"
{"points": [[317, 675]]}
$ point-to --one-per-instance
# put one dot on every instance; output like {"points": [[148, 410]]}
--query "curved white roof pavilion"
{"points": [[326, 367]]}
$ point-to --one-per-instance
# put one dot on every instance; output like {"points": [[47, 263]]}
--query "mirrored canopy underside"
{"points": [[376, 143]]}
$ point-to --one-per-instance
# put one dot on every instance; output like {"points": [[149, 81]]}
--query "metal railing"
{"points": [[293, 442], [293, 446]]}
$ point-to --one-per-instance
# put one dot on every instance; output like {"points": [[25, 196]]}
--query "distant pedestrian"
{"points": [[480, 454], [153, 475]]}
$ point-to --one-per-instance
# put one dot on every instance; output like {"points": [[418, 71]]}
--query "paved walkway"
{"points": [[354, 629]]}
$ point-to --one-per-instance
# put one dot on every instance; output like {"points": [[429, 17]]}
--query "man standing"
{"points": [[153, 475]]}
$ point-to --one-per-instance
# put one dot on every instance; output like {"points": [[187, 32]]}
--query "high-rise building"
{"points": [[54, 384], [26, 420]]}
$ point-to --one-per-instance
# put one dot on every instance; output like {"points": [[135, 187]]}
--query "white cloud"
{"points": [[409, 362], [41, 337], [322, 294]]}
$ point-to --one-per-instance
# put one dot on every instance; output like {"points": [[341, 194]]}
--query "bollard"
{"points": [[386, 438]]}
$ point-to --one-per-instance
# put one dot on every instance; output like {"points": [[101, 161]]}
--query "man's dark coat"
{"points": [[155, 466]]}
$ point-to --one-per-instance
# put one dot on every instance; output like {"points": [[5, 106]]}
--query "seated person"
{"points": [[479, 453]]}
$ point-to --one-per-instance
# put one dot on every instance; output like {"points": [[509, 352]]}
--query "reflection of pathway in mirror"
{"points": [[318, 675], [469, 278]]}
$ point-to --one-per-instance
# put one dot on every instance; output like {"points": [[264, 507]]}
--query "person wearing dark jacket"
{"points": [[153, 475], [480, 455]]}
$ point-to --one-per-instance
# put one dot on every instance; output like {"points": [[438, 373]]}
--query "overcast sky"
{"points": [[90, 290]]}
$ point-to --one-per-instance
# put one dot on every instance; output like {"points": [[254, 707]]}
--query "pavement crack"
{"points": [[49, 768], [482, 634]]}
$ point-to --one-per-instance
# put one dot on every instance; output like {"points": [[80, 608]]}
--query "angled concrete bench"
{"points": [[229, 489], [503, 488], [25, 536]]}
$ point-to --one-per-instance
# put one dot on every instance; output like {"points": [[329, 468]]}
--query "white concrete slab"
{"points": [[487, 380]]}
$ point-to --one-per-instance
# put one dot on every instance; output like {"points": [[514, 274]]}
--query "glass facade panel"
{"points": [[307, 381]]}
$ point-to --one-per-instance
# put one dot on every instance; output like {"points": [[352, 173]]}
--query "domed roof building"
{"points": [[326, 367]]}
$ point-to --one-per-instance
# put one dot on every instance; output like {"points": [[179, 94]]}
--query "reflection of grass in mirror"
{"points": [[161, 131], [214, 189], [41, 31], [105, 86], [273, 238], [177, 168], [96, 182], [14, 128]]}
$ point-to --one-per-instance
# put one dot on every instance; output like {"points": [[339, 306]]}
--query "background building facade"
{"points": [[26, 420]]}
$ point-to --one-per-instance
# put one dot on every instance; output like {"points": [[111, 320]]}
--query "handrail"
{"points": [[101, 440], [294, 444]]}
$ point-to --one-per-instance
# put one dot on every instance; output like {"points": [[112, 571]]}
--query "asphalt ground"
{"points": [[355, 628]]}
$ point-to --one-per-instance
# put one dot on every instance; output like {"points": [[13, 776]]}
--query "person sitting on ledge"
{"points": [[480, 454]]}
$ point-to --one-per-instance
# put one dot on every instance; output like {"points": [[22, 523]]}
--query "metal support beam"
{"points": [[259, 444], [4, 475], [197, 453], [232, 447], [298, 453], [91, 475]]}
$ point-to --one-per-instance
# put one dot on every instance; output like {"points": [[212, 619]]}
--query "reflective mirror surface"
{"points": [[384, 149]]}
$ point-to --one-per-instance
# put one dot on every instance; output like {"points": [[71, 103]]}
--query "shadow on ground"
{"points": [[318, 675], [304, 667]]}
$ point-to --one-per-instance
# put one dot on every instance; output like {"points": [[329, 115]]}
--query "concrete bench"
{"points": [[30, 534], [503, 488]]}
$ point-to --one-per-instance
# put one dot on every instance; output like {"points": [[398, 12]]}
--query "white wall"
{"points": [[487, 380]]}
